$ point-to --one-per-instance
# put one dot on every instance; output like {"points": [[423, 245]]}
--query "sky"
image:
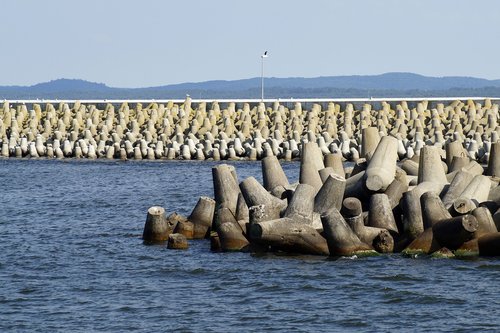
{"points": [[144, 43]]}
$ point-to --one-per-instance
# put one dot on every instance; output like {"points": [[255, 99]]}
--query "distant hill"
{"points": [[384, 85], [66, 85], [397, 81]]}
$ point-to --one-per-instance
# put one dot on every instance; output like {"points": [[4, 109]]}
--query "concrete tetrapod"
{"points": [[272, 174], [430, 168], [215, 245], [453, 148], [366, 234], [395, 192], [474, 168], [413, 223], [334, 161], [229, 231], [425, 243], [494, 160], [312, 154], [458, 163], [486, 225], [342, 241], [310, 175], [453, 232], [370, 139], [324, 173], [478, 189], [462, 206], [355, 187], [185, 228], [433, 209], [156, 228], [410, 167], [301, 206], [359, 166], [353, 214], [258, 214], [383, 242], [177, 242], [489, 244], [287, 235], [202, 216], [242, 212], [175, 218], [461, 180], [382, 166], [255, 195], [226, 188], [330, 194], [351, 207], [494, 197], [380, 214]]}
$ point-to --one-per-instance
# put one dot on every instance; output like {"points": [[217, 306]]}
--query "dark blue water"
{"points": [[71, 260]]}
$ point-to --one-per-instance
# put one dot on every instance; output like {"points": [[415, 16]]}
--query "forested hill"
{"points": [[384, 85]]}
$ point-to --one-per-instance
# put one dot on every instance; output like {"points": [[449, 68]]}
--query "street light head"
{"points": [[262, 75]]}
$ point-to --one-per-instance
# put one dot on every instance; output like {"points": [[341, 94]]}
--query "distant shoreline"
{"points": [[393, 85]]}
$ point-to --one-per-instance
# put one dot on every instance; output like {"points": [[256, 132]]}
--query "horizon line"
{"points": [[253, 100]]}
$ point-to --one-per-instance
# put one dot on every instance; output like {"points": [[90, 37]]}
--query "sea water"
{"points": [[72, 260]]}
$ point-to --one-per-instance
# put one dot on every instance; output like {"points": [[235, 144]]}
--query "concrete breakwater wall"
{"points": [[374, 207], [242, 130]]}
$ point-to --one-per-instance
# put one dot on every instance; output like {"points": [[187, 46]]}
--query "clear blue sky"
{"points": [[128, 43]]}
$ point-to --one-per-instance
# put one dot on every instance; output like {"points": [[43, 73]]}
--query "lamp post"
{"points": [[262, 75]]}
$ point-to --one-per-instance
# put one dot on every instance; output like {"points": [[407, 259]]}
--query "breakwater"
{"points": [[377, 206], [242, 130]]}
